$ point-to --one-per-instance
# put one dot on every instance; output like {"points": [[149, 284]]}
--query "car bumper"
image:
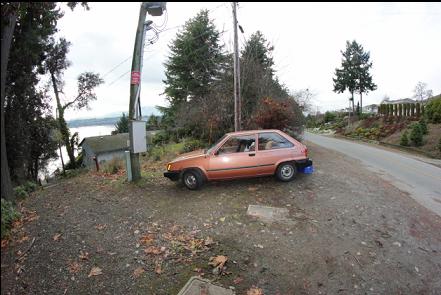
{"points": [[303, 163], [172, 175]]}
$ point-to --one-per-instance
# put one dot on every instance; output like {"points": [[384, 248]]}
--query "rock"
{"points": [[397, 244], [216, 271]]}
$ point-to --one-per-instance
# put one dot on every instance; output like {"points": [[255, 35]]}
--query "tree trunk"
{"points": [[7, 32], [361, 102], [353, 106], [62, 125]]}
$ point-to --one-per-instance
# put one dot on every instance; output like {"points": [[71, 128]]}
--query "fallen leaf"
{"points": [[208, 241], [74, 267], [95, 271], [22, 239], [84, 255], [218, 261], [222, 219], [137, 272], [5, 243], [255, 291], [158, 268], [100, 226], [153, 250], [147, 239], [56, 237], [252, 189], [237, 280]]}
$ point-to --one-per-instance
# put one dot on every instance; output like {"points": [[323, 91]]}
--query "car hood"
{"points": [[190, 155]]}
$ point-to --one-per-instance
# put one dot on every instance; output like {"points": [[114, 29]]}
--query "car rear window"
{"points": [[272, 140]]}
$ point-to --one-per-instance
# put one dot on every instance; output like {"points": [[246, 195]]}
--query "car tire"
{"points": [[192, 179], [286, 171]]}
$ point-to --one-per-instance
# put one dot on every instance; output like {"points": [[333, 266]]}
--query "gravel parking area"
{"points": [[347, 231]]}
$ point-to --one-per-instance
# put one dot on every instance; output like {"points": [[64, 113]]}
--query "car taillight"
{"points": [[306, 152]]}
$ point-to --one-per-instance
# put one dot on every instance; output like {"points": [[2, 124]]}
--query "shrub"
{"points": [[156, 153], [113, 166], [161, 138], [8, 216], [433, 110], [416, 135], [329, 117], [404, 140], [20, 192], [191, 145], [423, 126], [30, 186]]}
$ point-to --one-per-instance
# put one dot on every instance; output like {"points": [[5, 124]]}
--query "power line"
{"points": [[157, 30], [114, 68]]}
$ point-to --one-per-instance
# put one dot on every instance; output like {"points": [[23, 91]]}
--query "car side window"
{"points": [[239, 144], [272, 140]]}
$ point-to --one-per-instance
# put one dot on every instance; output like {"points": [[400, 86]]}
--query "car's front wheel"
{"points": [[286, 171], [192, 179]]}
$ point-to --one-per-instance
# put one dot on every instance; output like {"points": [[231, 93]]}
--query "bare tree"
{"points": [[304, 97], [421, 92]]}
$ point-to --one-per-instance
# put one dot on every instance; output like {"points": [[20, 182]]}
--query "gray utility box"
{"points": [[138, 136]]}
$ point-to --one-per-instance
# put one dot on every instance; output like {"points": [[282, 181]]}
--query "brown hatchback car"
{"points": [[242, 154]]}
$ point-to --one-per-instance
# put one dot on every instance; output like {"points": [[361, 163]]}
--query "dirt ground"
{"points": [[431, 140], [348, 232]]}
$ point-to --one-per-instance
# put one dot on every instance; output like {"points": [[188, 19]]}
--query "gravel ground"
{"points": [[348, 232]]}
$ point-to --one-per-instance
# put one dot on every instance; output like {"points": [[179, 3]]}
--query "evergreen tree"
{"points": [[404, 140], [195, 63], [153, 122], [354, 73], [423, 126], [122, 126], [416, 135]]}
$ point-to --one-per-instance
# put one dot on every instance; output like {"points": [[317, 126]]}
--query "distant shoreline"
{"points": [[95, 122]]}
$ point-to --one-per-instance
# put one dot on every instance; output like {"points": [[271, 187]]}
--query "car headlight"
{"points": [[169, 167]]}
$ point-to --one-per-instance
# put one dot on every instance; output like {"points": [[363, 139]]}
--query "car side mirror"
{"points": [[216, 153]]}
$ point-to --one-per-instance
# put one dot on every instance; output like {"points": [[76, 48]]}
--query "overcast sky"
{"points": [[404, 40]]}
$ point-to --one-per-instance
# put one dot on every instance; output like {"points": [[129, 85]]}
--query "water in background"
{"points": [[86, 131]]}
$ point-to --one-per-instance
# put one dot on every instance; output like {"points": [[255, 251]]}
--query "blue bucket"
{"points": [[307, 170]]}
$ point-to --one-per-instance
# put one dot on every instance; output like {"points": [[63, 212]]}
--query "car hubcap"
{"points": [[287, 171], [190, 180]]}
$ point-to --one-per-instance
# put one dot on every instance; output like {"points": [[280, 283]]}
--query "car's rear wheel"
{"points": [[286, 171], [192, 179]]}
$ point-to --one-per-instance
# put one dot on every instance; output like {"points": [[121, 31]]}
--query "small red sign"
{"points": [[136, 77]]}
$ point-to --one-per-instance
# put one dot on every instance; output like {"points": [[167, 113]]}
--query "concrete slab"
{"points": [[199, 286], [268, 213]]}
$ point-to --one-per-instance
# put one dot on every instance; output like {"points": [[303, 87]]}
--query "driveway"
{"points": [[420, 179]]}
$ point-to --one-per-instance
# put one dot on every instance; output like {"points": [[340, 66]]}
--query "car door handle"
{"points": [[251, 155]]}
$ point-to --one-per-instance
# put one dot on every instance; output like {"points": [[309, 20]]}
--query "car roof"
{"points": [[253, 131]]}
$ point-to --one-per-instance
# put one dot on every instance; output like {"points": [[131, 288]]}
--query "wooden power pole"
{"points": [[135, 84], [155, 9], [237, 104]]}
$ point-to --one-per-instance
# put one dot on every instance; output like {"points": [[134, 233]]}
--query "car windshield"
{"points": [[214, 145]]}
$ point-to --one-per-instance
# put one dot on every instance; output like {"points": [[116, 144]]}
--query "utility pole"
{"points": [[135, 84], [237, 104], [155, 9]]}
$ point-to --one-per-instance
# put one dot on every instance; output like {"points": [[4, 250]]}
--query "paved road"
{"points": [[421, 180]]}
